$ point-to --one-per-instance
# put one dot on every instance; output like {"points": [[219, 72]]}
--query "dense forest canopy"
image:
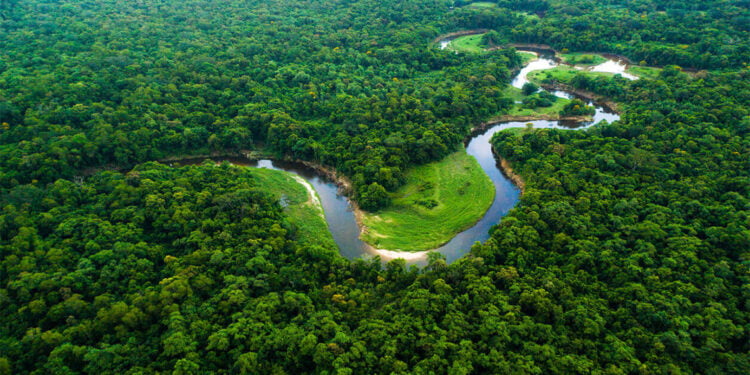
{"points": [[627, 254]]}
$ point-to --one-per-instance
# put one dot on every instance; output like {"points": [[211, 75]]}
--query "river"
{"points": [[340, 216]]}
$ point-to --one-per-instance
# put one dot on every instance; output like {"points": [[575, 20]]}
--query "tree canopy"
{"points": [[628, 252]]}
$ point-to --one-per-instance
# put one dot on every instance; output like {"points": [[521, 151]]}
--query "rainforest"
{"points": [[374, 187]]}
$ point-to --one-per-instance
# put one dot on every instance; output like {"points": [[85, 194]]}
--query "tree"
{"points": [[491, 39], [529, 88], [577, 107], [374, 197]]}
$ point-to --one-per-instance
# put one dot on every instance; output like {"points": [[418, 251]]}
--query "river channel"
{"points": [[340, 216]]}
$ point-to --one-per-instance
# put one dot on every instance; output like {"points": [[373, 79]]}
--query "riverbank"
{"points": [[481, 128], [508, 171]]}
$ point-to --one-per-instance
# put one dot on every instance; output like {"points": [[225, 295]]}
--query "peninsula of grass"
{"points": [[467, 43], [562, 74], [644, 71], [304, 213], [583, 59], [527, 57], [438, 201]]}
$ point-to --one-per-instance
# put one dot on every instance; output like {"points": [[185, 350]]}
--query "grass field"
{"points": [[527, 57], [482, 4], [584, 59], [644, 71], [528, 16], [468, 43], [306, 215], [438, 201]]}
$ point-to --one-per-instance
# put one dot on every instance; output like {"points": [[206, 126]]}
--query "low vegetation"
{"points": [[644, 71], [482, 4], [527, 57], [585, 59], [304, 211], [467, 43], [438, 201], [520, 109], [561, 74]]}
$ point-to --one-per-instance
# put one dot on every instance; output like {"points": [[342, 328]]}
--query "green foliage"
{"points": [[333, 94], [658, 32], [521, 109], [438, 201], [644, 71], [529, 88], [469, 43], [627, 254], [577, 107], [541, 99], [491, 39], [304, 212], [133, 262], [563, 74], [582, 59], [636, 208], [374, 197]]}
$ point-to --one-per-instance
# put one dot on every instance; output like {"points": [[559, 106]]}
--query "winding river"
{"points": [[340, 216]]}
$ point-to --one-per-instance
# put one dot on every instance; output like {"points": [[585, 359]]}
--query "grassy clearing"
{"points": [[528, 16], [438, 201], [527, 57], [644, 71], [468, 43], [482, 4], [306, 216], [583, 59]]}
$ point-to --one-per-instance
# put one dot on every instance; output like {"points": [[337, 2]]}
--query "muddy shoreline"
{"points": [[507, 169]]}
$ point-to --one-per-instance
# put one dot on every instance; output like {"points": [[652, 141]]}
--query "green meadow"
{"points": [[303, 212], [527, 57], [584, 59], [644, 71], [562, 74], [482, 4], [468, 43], [438, 201]]}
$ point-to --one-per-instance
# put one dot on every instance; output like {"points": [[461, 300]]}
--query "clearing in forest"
{"points": [[438, 201], [468, 43]]}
